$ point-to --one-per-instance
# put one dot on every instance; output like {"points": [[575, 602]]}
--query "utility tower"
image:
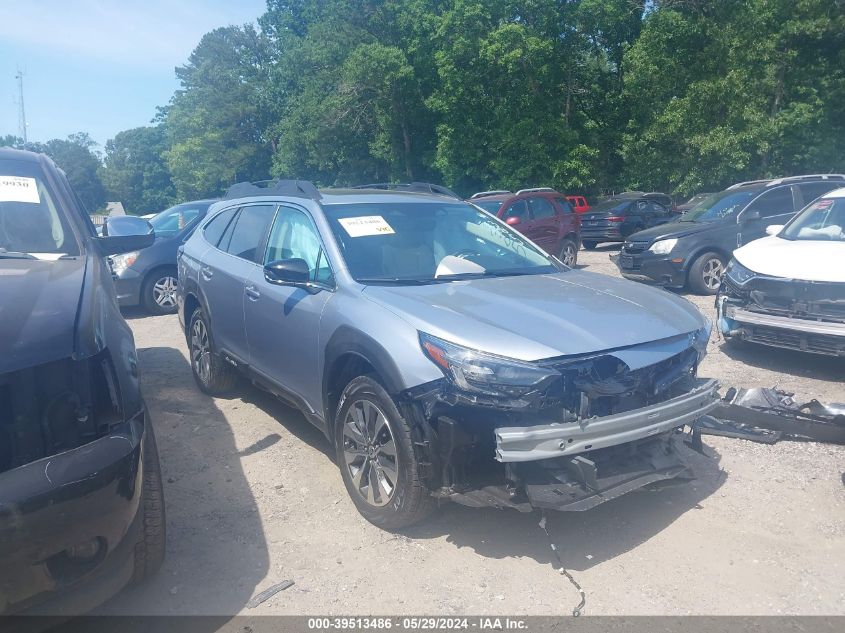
{"points": [[22, 110]]}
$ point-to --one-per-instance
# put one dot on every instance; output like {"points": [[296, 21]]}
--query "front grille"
{"points": [[788, 297], [815, 343], [634, 248]]}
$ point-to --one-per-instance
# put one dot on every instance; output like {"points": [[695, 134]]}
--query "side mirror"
{"points": [[774, 229], [288, 272], [512, 221], [750, 216], [124, 234]]}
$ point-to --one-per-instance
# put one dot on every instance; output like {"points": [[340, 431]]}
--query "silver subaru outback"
{"points": [[443, 354]]}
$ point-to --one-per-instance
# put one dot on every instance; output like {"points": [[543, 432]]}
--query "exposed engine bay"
{"points": [[57, 406]]}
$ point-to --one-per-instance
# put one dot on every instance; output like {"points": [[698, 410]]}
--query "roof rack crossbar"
{"points": [[293, 188], [413, 187], [492, 192], [745, 183], [534, 190]]}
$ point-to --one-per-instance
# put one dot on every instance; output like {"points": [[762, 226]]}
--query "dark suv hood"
{"points": [[541, 316], [38, 307], [672, 229]]}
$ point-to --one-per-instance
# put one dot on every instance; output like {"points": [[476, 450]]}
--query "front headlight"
{"points": [[738, 273], [701, 337], [663, 247], [479, 372], [119, 263]]}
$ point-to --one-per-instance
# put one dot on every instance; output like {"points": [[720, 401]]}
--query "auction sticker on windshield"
{"points": [[18, 189], [366, 225]]}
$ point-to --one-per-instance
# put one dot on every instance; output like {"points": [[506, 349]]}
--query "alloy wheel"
{"points": [[370, 454], [164, 292], [200, 351], [712, 273], [568, 254]]}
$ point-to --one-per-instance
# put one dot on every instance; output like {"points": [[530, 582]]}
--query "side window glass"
{"points": [[517, 210], [775, 202], [642, 206], [812, 190], [249, 230], [213, 231], [541, 208], [565, 205], [293, 236]]}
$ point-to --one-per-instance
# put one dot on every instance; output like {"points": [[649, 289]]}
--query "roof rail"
{"points": [[535, 190], [412, 187], [293, 188], [484, 194], [746, 183], [778, 181]]}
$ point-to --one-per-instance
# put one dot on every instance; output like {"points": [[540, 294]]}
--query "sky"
{"points": [[100, 67]]}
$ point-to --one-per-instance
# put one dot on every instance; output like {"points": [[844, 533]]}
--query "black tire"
{"points": [[158, 293], [221, 377], [589, 245], [409, 501], [568, 249], [703, 271], [149, 550]]}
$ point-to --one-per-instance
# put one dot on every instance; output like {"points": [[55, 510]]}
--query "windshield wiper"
{"points": [[4, 254], [395, 281]]}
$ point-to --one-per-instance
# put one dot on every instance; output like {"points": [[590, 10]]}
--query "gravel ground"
{"points": [[254, 498]]}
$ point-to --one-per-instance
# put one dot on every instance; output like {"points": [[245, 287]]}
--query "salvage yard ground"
{"points": [[254, 498]]}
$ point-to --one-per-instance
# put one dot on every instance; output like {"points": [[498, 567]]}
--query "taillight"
{"points": [[615, 218]]}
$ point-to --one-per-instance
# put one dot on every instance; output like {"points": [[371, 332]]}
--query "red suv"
{"points": [[579, 203], [543, 215]]}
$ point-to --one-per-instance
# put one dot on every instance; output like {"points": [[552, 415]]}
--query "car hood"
{"points": [[534, 317], [808, 260], [38, 310], [670, 229]]}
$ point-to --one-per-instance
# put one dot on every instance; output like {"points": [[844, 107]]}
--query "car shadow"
{"points": [[227, 552], [784, 361], [583, 539], [131, 313]]}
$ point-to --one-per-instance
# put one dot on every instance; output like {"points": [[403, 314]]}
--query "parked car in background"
{"points": [[695, 249], [579, 203], [81, 502], [444, 355], [543, 215], [614, 219], [148, 277], [788, 289], [689, 204]]}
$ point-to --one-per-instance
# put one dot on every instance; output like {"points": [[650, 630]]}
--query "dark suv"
{"points": [[695, 249], [81, 505], [542, 215], [614, 219]]}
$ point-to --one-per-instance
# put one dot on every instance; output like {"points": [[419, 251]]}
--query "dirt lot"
{"points": [[254, 498]]}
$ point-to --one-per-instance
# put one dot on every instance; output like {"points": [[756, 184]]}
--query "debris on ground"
{"points": [[766, 415], [562, 569], [269, 593]]}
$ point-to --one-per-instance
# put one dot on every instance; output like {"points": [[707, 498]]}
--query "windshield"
{"points": [[823, 220], [491, 206], [718, 206], [427, 242], [171, 221], [31, 224]]}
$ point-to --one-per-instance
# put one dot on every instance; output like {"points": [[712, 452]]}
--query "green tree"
{"points": [[135, 171]]}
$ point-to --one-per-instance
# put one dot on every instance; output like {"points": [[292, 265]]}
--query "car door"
{"points": [[282, 321], [544, 225], [224, 272], [776, 206]]}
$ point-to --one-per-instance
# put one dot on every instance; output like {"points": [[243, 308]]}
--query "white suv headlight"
{"points": [[119, 263], [663, 247]]}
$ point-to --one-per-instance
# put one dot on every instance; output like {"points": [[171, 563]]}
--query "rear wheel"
{"points": [[705, 274], [589, 245], [376, 456], [568, 253], [159, 291], [213, 375], [149, 550]]}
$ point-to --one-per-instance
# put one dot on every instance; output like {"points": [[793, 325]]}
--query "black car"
{"points": [[614, 219], [81, 504], [695, 249], [148, 277]]}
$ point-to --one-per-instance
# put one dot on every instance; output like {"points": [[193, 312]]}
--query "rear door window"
{"points": [[812, 190], [541, 208], [249, 231], [565, 205], [214, 230]]}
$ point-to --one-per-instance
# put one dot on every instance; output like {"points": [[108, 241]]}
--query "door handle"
{"points": [[252, 293], [207, 273]]}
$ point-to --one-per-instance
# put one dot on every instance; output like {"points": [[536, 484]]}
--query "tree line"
{"points": [[587, 96]]}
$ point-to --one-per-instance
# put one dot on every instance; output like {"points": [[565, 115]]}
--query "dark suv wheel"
{"points": [[159, 291], [213, 375], [376, 456], [149, 550], [705, 274]]}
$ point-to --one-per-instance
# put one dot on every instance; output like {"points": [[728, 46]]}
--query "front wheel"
{"points": [[159, 292], [705, 274], [149, 550], [376, 456], [569, 253]]}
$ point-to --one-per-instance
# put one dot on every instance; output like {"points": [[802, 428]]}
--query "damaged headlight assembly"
{"points": [[477, 372], [738, 273]]}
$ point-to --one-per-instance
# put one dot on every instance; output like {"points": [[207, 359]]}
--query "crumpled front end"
{"points": [[792, 314], [606, 425]]}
